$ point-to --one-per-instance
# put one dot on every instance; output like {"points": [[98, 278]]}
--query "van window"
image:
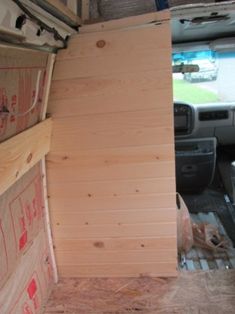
{"points": [[213, 83]]}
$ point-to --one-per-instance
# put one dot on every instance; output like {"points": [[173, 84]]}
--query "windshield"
{"points": [[214, 83]]}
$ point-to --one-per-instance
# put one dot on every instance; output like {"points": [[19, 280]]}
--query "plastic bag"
{"points": [[184, 227]]}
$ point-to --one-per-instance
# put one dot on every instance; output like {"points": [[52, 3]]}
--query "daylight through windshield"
{"points": [[212, 84]]}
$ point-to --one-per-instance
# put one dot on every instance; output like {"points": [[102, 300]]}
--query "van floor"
{"points": [[199, 258], [211, 292], [211, 206], [213, 201]]}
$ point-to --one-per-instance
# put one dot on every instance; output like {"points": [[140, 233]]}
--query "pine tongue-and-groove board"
{"points": [[111, 167]]}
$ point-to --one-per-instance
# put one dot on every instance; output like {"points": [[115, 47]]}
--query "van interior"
{"points": [[204, 126], [117, 149]]}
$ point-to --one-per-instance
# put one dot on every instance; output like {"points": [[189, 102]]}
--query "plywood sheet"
{"points": [[111, 167]]}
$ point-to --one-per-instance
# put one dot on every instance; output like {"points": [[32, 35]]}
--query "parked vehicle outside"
{"points": [[208, 71], [212, 84]]}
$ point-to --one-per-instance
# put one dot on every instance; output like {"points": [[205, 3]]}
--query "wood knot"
{"points": [[29, 158], [99, 244], [101, 43]]}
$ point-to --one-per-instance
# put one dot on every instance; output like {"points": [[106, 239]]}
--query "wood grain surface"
{"points": [[111, 168], [23, 151]]}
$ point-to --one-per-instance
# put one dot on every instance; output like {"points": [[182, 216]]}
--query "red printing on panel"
{"points": [[23, 240], [26, 213], [32, 289], [34, 297], [24, 98], [27, 309]]}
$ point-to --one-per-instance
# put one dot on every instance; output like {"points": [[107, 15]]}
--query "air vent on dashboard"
{"points": [[213, 115], [183, 118]]}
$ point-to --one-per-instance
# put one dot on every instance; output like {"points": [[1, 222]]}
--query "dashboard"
{"points": [[205, 120]]}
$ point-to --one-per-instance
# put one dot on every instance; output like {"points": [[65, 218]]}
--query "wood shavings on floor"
{"points": [[201, 292]]}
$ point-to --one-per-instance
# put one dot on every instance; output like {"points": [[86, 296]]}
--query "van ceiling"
{"points": [[191, 20], [203, 22]]}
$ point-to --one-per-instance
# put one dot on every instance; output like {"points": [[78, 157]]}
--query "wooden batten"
{"points": [[23, 151], [111, 168], [50, 66]]}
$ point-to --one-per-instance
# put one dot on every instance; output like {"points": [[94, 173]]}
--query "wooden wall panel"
{"points": [[75, 218], [115, 202], [94, 66], [164, 269], [109, 188], [104, 244], [111, 167], [91, 258]]}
